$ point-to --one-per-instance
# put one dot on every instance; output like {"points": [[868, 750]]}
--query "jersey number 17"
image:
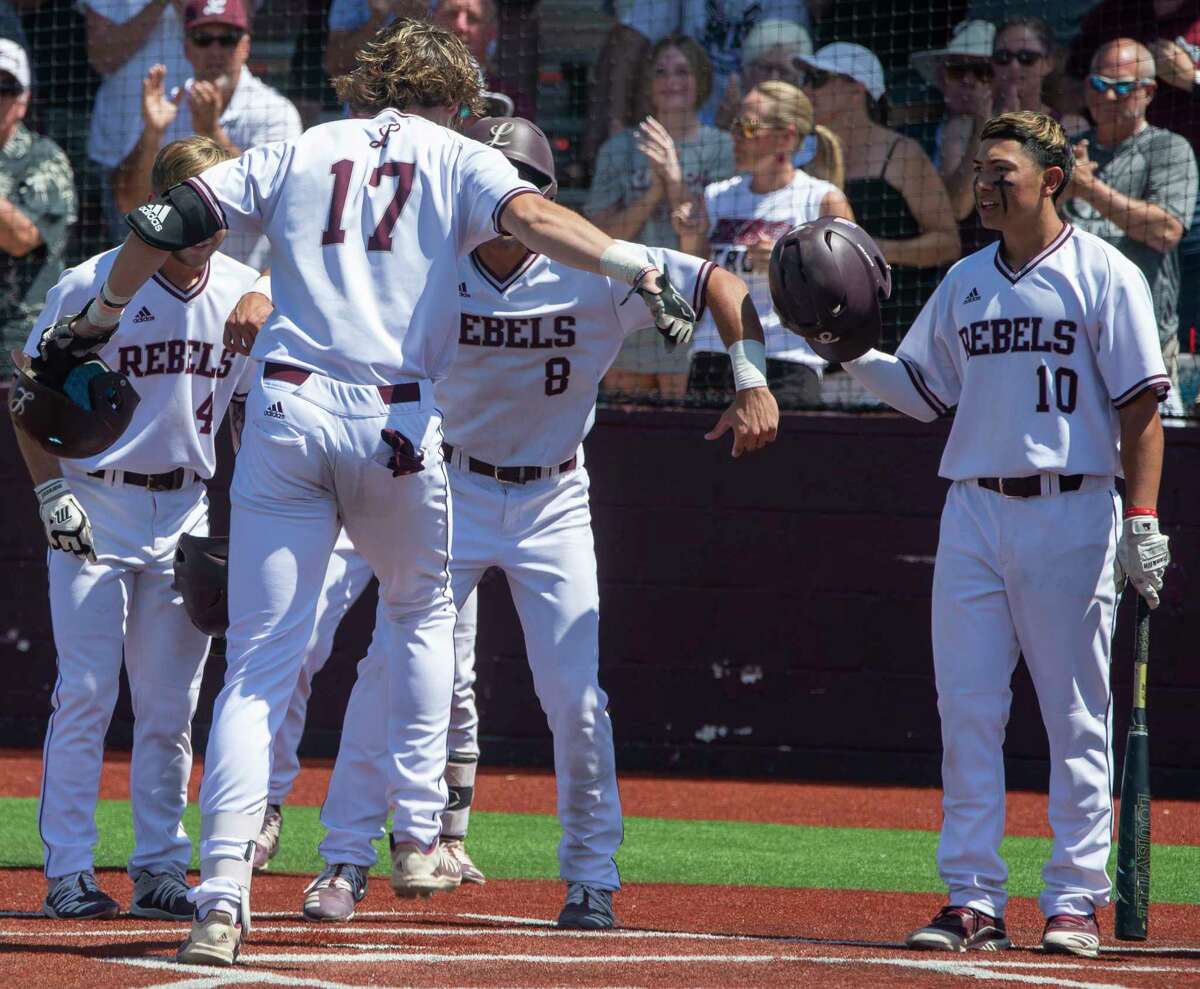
{"points": [[381, 236]]}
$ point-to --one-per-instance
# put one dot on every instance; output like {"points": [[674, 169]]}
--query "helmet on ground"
{"points": [[202, 579], [522, 143], [80, 415], [828, 279]]}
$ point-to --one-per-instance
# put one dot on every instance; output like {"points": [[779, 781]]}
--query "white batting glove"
{"points": [[1143, 555], [66, 523], [672, 313]]}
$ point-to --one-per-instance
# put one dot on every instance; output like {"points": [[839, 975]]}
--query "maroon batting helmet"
{"points": [[202, 580], [522, 143], [79, 416], [828, 279]]}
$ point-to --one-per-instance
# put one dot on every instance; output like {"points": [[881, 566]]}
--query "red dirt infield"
{"points": [[500, 935]]}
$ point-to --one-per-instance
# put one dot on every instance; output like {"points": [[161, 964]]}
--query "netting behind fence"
{"points": [[710, 126]]}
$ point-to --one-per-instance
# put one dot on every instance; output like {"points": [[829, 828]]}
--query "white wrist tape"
{"points": [[749, 358], [625, 262], [262, 286], [105, 310]]}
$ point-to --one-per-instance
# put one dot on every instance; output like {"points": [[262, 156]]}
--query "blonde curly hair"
{"points": [[183, 159], [412, 63]]}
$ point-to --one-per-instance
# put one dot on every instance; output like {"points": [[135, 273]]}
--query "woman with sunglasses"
{"points": [[896, 193], [1024, 60], [738, 221], [645, 172]]}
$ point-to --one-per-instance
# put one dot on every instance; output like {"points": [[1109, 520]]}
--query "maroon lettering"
{"points": [[1020, 344], [1037, 344], [203, 368], [154, 356], [381, 238], [535, 336], [1064, 336], [226, 363], [977, 331], [514, 338], [467, 330], [131, 360], [175, 351], [1001, 335], [564, 331], [193, 348], [965, 337], [493, 331]]}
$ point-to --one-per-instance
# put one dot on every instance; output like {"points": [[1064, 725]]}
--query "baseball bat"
{"points": [[1133, 840]]}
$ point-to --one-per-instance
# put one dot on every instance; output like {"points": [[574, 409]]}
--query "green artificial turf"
{"points": [[523, 846]]}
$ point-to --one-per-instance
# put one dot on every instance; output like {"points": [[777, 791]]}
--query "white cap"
{"points": [[972, 39], [845, 59], [769, 34], [14, 61]]}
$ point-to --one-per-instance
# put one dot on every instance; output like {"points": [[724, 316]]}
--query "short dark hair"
{"points": [[1040, 136]]}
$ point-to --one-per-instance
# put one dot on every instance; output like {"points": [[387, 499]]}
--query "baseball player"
{"points": [[113, 521], [535, 339], [1046, 345], [366, 217]]}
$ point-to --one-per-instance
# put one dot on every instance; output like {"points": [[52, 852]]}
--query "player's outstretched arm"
{"points": [[552, 230], [888, 379], [753, 415]]}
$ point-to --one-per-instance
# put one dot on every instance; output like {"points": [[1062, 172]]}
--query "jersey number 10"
{"points": [[1065, 388], [381, 237]]}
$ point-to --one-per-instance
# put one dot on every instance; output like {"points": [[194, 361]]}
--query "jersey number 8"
{"points": [[558, 375]]}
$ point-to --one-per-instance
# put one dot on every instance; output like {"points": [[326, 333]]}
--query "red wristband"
{"points": [[1137, 510]]}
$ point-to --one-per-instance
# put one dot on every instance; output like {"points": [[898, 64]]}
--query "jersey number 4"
{"points": [[381, 237]]}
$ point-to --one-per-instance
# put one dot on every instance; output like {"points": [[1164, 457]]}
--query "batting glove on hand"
{"points": [[673, 316], [66, 523], [1142, 556], [60, 349]]}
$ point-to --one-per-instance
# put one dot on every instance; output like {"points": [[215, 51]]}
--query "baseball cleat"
{"points": [[267, 842], [77, 897], [215, 940], [333, 895], [422, 873], [961, 929], [588, 908], [470, 871], [1071, 934], [161, 896]]}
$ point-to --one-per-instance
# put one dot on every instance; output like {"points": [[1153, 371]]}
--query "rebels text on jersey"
{"points": [[1037, 361], [532, 348], [170, 345], [367, 219]]}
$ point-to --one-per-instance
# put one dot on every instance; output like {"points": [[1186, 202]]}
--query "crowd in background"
{"points": [[710, 126]]}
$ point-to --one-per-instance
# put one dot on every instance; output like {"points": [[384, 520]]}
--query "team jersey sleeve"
{"points": [[689, 275], [241, 193], [488, 183], [1128, 351], [926, 355]]}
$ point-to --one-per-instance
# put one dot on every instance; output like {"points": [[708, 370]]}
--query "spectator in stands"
{"points": [[354, 22], [1135, 184], [1025, 56], [719, 25], [738, 221], [37, 206], [125, 38], [223, 100], [772, 50], [896, 193], [643, 174]]}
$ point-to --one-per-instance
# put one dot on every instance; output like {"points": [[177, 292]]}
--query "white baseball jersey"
{"points": [[1036, 361], [739, 217], [533, 345], [170, 346], [367, 219]]}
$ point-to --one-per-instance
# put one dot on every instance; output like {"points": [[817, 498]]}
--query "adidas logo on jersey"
{"points": [[156, 214], [144, 315], [462, 291], [276, 411], [972, 296]]}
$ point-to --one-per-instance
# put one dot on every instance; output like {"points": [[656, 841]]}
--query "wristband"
{"points": [[1138, 510], [48, 489], [625, 262], [102, 315], [749, 359], [262, 286]]}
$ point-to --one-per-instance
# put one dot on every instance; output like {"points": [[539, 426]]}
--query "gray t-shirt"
{"points": [[623, 176], [1156, 166]]}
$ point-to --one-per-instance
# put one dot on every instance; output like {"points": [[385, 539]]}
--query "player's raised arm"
{"points": [[547, 228]]}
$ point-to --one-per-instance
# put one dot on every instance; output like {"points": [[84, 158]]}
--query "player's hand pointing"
{"points": [[247, 318], [754, 419]]}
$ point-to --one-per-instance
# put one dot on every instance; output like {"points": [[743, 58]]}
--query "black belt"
{"points": [[410, 391], [172, 480], [1028, 487], [510, 475]]}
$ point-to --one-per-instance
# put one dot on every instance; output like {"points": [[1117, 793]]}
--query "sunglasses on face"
{"points": [[1122, 87], [958, 71], [748, 127], [1026, 56], [226, 39]]}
